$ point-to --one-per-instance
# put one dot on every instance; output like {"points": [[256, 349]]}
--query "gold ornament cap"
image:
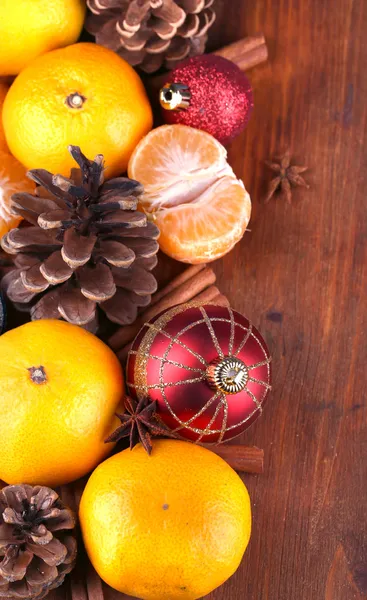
{"points": [[229, 375], [175, 96]]}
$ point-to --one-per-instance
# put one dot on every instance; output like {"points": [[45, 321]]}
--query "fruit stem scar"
{"points": [[165, 506], [38, 375], [75, 100]]}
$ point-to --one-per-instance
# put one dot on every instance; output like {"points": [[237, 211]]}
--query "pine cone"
{"points": [[35, 550], [151, 33], [88, 245]]}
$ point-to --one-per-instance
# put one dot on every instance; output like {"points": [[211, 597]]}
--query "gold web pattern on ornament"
{"points": [[142, 388]]}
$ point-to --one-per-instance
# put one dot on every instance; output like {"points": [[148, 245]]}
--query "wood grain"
{"points": [[300, 276]]}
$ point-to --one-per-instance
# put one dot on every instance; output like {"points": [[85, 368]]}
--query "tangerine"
{"points": [[170, 526], [84, 95], [28, 29], [60, 387], [191, 192]]}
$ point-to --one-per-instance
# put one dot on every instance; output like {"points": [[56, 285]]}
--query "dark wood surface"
{"points": [[299, 276]]}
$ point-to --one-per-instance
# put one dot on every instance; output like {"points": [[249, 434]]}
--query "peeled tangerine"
{"points": [[191, 192], [170, 526]]}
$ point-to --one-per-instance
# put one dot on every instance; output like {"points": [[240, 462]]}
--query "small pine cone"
{"points": [[36, 548], [87, 246], [150, 34]]}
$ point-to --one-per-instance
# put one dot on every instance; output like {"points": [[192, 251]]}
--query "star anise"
{"points": [[139, 423], [287, 175]]}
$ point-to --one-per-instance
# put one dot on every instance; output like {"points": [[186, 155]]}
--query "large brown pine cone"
{"points": [[87, 246], [36, 548], [151, 33]]}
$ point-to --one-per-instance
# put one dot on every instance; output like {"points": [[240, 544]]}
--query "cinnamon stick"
{"points": [[84, 582], [123, 353], [180, 294], [246, 54], [186, 275], [245, 459], [207, 295], [220, 300], [183, 293], [212, 296], [94, 584]]}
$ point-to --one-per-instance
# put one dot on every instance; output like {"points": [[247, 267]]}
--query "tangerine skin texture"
{"points": [[3, 91], [170, 526], [115, 113], [29, 28], [53, 433]]}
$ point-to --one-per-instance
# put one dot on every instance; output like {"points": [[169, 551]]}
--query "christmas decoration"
{"points": [[207, 368], [88, 246], [210, 93], [151, 33], [287, 176], [139, 423], [35, 28], [37, 550]]}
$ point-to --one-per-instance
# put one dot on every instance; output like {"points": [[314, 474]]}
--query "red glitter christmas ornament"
{"points": [[210, 93], [207, 367]]}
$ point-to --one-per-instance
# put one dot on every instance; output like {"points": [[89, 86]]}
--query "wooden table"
{"points": [[298, 276]]}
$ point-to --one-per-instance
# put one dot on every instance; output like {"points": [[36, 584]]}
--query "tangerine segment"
{"points": [[3, 91], [13, 179], [207, 228], [175, 153]]}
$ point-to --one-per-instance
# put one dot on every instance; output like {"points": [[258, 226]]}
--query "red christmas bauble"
{"points": [[210, 93], [207, 367]]}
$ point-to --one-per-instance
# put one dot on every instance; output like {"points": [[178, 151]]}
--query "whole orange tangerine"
{"points": [[170, 526], [60, 387], [84, 95], [29, 28]]}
